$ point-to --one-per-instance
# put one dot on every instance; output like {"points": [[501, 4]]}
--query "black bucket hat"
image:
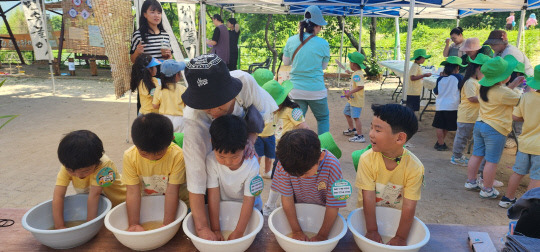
{"points": [[210, 84]]}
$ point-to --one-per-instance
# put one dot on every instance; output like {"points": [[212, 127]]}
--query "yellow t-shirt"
{"points": [[528, 108], [390, 187], [146, 97], [170, 100], [269, 130], [286, 119], [153, 176], [415, 87], [357, 99], [468, 111], [497, 112], [115, 192]]}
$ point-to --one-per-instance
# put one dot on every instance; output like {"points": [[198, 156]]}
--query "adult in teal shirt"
{"points": [[307, 68]]}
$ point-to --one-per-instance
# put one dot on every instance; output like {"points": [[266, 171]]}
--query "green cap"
{"points": [[179, 139], [277, 91], [497, 69], [453, 60], [262, 76], [534, 81], [357, 58], [480, 59], [420, 52], [356, 156], [328, 143]]}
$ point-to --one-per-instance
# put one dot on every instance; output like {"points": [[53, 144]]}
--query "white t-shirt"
{"points": [[233, 185], [197, 124], [449, 95], [520, 57]]}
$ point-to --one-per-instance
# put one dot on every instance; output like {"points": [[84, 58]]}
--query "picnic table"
{"points": [[443, 237]]}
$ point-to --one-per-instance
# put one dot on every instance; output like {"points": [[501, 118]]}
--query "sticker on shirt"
{"points": [[105, 177], [321, 185], [297, 115], [389, 195], [256, 186], [155, 185], [356, 78], [341, 189]]}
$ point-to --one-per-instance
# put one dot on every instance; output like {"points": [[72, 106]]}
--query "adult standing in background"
{"points": [[498, 40], [234, 34], [471, 47], [456, 36], [151, 38], [220, 39], [510, 20], [308, 64]]}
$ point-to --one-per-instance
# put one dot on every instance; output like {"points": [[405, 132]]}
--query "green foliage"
{"points": [[372, 68], [10, 117], [17, 22]]}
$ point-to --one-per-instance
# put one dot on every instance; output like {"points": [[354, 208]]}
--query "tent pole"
{"points": [[408, 51], [457, 22], [49, 49], [360, 33], [521, 25], [138, 5], [341, 51], [203, 27], [397, 54]]}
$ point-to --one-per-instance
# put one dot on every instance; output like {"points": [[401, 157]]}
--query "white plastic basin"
{"points": [[310, 217], [39, 220], [152, 209], [387, 223], [229, 213]]}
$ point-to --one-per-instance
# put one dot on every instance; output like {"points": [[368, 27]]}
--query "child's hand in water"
{"points": [[219, 236], [397, 241], [135, 228], [234, 235], [317, 237], [374, 236], [300, 236]]}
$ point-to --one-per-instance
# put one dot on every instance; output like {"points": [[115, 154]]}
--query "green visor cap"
{"points": [[497, 69], [277, 91], [357, 58], [453, 60], [420, 53]]}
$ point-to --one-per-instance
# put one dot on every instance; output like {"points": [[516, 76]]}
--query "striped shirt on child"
{"points": [[316, 189]]}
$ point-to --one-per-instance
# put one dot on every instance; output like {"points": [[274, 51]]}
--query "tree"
{"points": [[272, 48], [373, 37], [17, 22]]}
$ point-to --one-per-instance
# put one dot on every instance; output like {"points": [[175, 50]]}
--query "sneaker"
{"points": [[497, 183], [267, 210], [462, 161], [267, 175], [472, 186], [506, 202], [489, 195], [510, 143], [357, 139], [349, 132], [436, 146], [442, 147], [480, 182]]}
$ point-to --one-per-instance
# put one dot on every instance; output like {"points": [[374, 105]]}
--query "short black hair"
{"points": [[400, 118], [218, 17], [152, 132], [417, 58], [232, 21], [228, 134], [298, 151], [80, 149], [458, 31]]}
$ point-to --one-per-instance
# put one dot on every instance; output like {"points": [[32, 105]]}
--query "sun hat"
{"points": [[210, 84], [328, 143], [520, 68], [496, 70], [357, 58], [453, 60], [262, 76], [480, 59], [534, 81], [496, 37], [179, 139], [470, 44], [277, 91], [356, 156], [154, 62], [315, 15], [420, 52], [172, 67]]}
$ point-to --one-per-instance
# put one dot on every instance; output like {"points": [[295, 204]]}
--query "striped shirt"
{"points": [[153, 47], [316, 189]]}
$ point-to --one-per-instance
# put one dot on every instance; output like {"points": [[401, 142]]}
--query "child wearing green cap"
{"points": [[528, 156], [414, 89], [494, 123], [355, 99], [447, 102]]}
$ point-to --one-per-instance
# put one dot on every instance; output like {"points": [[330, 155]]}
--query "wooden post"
{"points": [[60, 44], [93, 67], [3, 15], [71, 66], [56, 67]]}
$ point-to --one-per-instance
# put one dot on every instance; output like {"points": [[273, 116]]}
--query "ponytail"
{"points": [[306, 26], [471, 70], [483, 92], [140, 72]]}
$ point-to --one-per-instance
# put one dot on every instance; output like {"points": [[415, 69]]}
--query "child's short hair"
{"points": [[400, 118], [228, 134], [79, 149], [418, 58], [152, 132], [298, 151]]}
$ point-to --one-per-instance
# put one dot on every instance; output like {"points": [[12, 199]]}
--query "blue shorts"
{"points": [[488, 142], [527, 163], [351, 111], [266, 146]]}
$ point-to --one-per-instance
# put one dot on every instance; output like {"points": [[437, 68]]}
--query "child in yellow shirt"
{"points": [[168, 98], [89, 170], [154, 166], [355, 98], [388, 174], [143, 80], [414, 89]]}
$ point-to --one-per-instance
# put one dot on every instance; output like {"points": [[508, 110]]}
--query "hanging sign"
{"points": [[36, 28]]}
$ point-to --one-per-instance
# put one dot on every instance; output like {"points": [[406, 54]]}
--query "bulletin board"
{"points": [[81, 30]]}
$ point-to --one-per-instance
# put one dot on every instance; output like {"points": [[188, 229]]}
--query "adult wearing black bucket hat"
{"points": [[212, 92]]}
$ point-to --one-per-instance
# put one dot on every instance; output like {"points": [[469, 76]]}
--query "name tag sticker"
{"points": [[256, 186], [105, 177], [341, 189]]}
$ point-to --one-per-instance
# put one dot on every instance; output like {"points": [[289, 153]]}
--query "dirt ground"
{"points": [[29, 164]]}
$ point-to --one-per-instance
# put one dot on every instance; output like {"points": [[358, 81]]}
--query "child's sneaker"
{"points": [[497, 183], [349, 132], [493, 193], [357, 139], [462, 161], [472, 186], [267, 175], [506, 202], [441, 147], [267, 210]]}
